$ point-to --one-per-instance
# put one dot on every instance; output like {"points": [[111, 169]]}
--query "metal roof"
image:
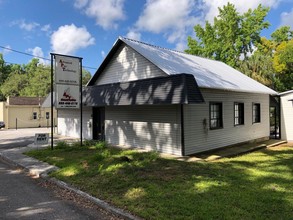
{"points": [[285, 93], [175, 89], [207, 73]]}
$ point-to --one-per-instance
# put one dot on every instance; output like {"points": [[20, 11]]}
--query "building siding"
{"points": [[149, 127], [199, 138], [128, 65], [21, 116], [69, 122], [287, 117]]}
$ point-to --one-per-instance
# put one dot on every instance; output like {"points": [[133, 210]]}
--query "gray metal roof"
{"points": [[207, 73], [175, 89], [285, 93]]}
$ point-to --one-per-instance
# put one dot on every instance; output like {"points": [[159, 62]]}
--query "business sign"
{"points": [[67, 70], [67, 96], [41, 138]]}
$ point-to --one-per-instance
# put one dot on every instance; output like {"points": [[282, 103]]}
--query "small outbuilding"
{"points": [[149, 97], [286, 106], [25, 112]]}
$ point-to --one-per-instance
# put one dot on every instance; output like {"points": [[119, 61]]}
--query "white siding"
{"points": [[287, 117], [198, 139], [128, 65], [69, 122], [148, 127]]}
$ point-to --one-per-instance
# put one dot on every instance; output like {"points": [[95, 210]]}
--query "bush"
{"points": [[62, 145]]}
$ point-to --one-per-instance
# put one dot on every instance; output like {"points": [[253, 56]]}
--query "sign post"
{"points": [[68, 84]]}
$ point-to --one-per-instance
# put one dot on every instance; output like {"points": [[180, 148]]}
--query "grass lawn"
{"points": [[258, 185]]}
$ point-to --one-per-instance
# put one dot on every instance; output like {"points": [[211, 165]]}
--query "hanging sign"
{"points": [[67, 70]]}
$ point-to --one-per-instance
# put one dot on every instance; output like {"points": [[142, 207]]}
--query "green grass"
{"points": [[253, 186]]}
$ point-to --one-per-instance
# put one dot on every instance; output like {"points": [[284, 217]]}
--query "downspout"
{"points": [[182, 130], [182, 116], [279, 116]]}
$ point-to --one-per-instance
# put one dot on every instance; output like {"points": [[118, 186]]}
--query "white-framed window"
{"points": [[238, 113], [216, 115], [255, 112]]}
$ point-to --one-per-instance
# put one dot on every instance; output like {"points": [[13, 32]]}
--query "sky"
{"points": [[89, 28]]}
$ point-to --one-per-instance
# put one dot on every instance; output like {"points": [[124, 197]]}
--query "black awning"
{"points": [[175, 89]]}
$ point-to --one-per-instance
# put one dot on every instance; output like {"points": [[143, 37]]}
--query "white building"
{"points": [[154, 98], [286, 106]]}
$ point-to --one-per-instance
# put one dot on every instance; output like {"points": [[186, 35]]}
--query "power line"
{"points": [[31, 55]]}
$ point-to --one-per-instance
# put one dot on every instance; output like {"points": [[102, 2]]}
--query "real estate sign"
{"points": [[41, 138]]}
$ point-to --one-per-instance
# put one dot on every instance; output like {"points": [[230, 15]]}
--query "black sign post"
{"points": [[66, 77], [52, 103]]}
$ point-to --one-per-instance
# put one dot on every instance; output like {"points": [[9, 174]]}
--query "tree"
{"points": [[282, 34], [14, 84], [231, 36], [283, 64], [260, 68], [31, 80], [4, 74], [86, 76]]}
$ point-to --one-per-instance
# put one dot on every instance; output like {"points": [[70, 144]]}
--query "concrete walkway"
{"points": [[232, 151]]}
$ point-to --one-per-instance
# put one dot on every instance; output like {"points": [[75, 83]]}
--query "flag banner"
{"points": [[67, 96], [67, 70]]}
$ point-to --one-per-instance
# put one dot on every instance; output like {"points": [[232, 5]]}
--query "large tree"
{"points": [[31, 80], [231, 36], [283, 64]]}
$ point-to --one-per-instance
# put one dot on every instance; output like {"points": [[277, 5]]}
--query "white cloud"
{"points": [[211, 6], [46, 28], [174, 19], [69, 38], [106, 12], [37, 52], [103, 54], [135, 35], [287, 19], [80, 3], [161, 15], [6, 50], [28, 26]]}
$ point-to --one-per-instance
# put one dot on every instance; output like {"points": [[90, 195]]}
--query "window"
{"points": [[216, 115], [238, 113], [47, 115], [255, 113], [34, 115]]}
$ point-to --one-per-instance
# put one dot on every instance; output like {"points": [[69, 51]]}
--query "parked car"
{"points": [[2, 124]]}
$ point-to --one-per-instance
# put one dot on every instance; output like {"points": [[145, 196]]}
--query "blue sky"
{"points": [[88, 28]]}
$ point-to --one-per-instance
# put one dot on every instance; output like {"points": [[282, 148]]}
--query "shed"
{"points": [[286, 105]]}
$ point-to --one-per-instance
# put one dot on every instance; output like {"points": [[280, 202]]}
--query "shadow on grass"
{"points": [[253, 186]]}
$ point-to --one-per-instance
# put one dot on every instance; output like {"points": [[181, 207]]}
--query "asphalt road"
{"points": [[11, 138], [23, 197]]}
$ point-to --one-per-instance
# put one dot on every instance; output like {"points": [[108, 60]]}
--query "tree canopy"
{"points": [[30, 80], [235, 39], [231, 36]]}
